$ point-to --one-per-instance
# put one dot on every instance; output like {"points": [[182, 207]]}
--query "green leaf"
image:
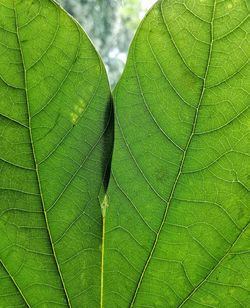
{"points": [[177, 226], [54, 104]]}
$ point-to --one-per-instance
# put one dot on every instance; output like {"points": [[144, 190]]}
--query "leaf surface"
{"points": [[177, 225], [54, 104]]}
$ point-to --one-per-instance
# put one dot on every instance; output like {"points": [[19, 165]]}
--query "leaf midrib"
{"points": [[35, 159], [184, 155]]}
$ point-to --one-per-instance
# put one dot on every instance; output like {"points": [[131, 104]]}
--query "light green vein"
{"points": [[35, 161], [183, 156]]}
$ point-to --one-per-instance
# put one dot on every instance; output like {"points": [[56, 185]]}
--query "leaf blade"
{"points": [[55, 153], [167, 122]]}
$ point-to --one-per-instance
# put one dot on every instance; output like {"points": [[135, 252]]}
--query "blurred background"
{"points": [[111, 25]]}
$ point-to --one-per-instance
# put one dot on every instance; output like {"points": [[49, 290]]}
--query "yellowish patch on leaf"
{"points": [[79, 108]]}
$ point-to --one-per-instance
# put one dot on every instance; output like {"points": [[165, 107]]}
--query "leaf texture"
{"points": [[177, 226], [54, 104]]}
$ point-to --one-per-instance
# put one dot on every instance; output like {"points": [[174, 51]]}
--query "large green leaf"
{"points": [[177, 230], [54, 101]]}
